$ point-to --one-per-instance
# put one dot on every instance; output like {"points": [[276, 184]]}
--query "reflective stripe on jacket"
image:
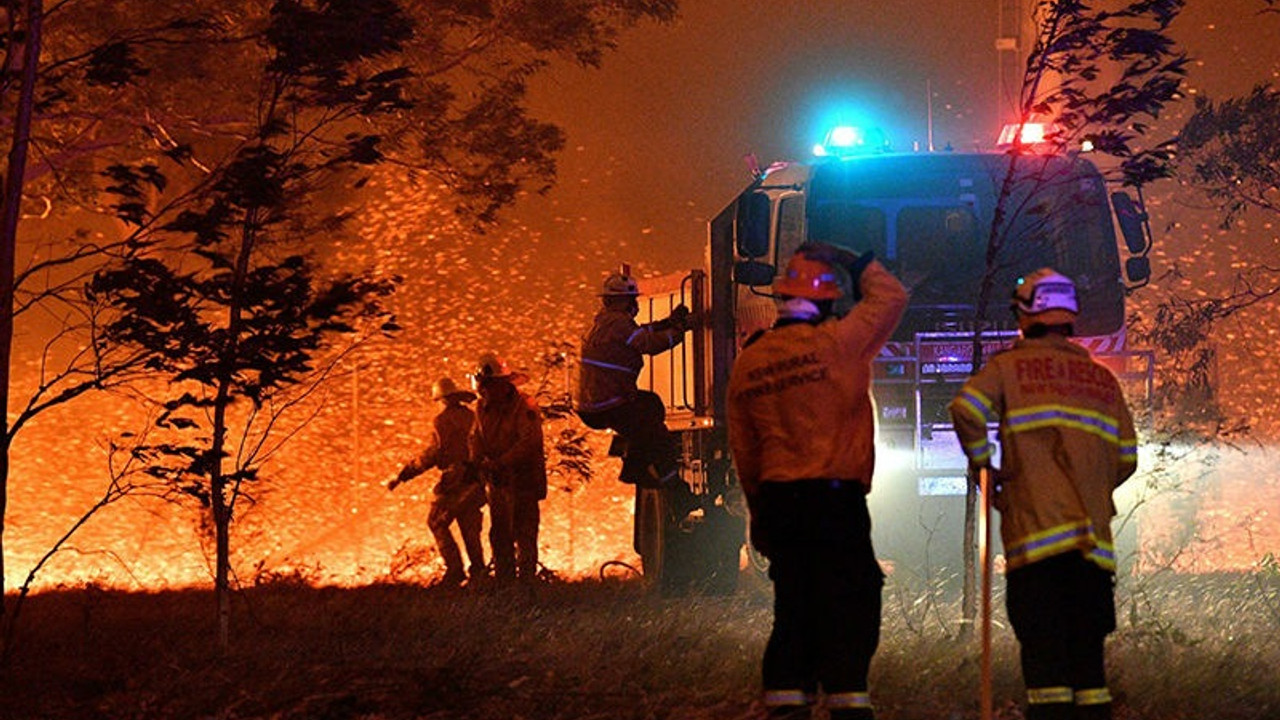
{"points": [[613, 354], [799, 397], [1067, 441]]}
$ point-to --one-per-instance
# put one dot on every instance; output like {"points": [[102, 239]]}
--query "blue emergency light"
{"points": [[846, 140]]}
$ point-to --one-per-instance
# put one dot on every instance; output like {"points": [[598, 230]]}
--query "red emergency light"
{"points": [[1028, 133]]}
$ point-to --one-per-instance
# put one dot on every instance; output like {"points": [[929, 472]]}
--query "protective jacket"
{"points": [[613, 354], [508, 437], [799, 397], [448, 449], [1067, 441]]}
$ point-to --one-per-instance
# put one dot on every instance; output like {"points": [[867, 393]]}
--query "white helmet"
{"points": [[1046, 295], [445, 387], [620, 284]]}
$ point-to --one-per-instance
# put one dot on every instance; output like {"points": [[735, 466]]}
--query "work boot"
{"points": [[634, 472], [452, 578], [1094, 712], [656, 478], [1051, 711], [852, 714]]}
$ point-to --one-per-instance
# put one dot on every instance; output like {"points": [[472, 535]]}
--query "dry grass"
{"points": [[1191, 648]]}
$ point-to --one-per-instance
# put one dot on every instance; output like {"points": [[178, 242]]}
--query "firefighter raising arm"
{"points": [[837, 436], [801, 430]]}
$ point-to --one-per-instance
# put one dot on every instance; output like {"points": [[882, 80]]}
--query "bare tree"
{"points": [[128, 478]]}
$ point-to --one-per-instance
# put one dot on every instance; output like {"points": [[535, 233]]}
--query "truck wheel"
{"points": [[650, 533]]}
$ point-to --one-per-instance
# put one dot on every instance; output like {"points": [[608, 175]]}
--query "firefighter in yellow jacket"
{"points": [[459, 496], [801, 432], [1066, 442], [507, 444]]}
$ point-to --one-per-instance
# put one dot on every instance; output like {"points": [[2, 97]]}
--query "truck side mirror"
{"points": [[753, 225], [753, 273], [1138, 269], [1132, 219]]}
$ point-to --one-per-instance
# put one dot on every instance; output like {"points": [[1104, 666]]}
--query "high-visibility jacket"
{"points": [[1067, 441], [448, 448], [613, 354], [799, 396], [508, 437]]}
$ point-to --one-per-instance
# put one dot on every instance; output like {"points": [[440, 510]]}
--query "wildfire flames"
{"points": [[321, 509]]}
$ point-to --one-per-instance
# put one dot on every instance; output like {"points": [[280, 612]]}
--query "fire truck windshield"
{"points": [[929, 218]]}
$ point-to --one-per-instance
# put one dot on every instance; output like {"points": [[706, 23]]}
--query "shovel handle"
{"points": [[984, 553]]}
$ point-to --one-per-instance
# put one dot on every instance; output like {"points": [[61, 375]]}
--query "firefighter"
{"points": [[459, 495], [507, 444], [1066, 441], [613, 353], [801, 433]]}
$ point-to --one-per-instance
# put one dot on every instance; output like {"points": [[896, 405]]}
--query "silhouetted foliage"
{"points": [[219, 283], [1230, 151], [60, 89], [224, 296], [569, 455], [1180, 330]]}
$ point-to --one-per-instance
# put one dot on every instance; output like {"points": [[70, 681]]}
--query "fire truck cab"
{"points": [[929, 218]]}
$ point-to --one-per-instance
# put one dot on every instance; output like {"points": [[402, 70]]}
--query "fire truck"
{"points": [[929, 218]]}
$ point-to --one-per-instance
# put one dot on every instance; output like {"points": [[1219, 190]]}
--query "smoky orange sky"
{"points": [[656, 137]]}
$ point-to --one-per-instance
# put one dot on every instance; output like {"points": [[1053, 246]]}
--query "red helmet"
{"points": [[809, 278], [491, 367]]}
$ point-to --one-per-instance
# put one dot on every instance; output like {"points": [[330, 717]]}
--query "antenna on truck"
{"points": [[928, 92]]}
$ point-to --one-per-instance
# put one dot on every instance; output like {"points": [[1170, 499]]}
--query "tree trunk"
{"points": [[223, 501], [222, 585], [9, 213], [220, 506]]}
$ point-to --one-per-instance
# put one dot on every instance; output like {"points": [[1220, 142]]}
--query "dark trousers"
{"points": [[513, 533], [827, 584], [641, 422], [1062, 609], [463, 506]]}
